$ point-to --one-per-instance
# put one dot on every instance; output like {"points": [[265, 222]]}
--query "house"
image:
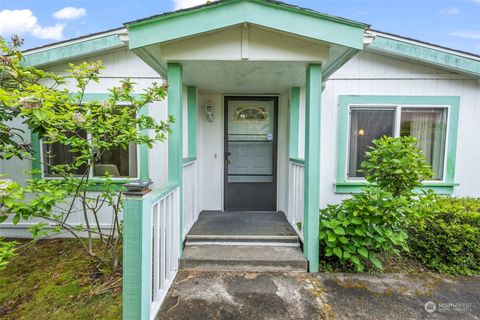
{"points": [[277, 105]]}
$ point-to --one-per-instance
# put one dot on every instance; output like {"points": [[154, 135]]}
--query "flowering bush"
{"points": [[89, 129]]}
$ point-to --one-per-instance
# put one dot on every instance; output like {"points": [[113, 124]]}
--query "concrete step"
{"points": [[243, 258], [251, 240]]}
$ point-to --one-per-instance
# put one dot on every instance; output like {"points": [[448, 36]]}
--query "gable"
{"points": [[223, 14], [244, 43]]}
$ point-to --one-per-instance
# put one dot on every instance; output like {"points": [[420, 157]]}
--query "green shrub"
{"points": [[396, 165], [444, 235], [362, 226], [370, 222]]}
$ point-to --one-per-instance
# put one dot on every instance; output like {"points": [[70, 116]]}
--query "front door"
{"points": [[250, 153]]}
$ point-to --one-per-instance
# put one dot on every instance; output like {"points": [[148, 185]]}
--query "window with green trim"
{"points": [[131, 162], [433, 120], [117, 163]]}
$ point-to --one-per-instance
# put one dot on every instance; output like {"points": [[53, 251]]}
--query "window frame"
{"points": [[345, 184], [142, 152]]}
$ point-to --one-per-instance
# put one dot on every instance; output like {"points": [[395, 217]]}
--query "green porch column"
{"points": [[192, 121], [312, 165], [294, 121], [175, 139], [137, 259]]}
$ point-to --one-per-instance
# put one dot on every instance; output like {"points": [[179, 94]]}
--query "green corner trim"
{"points": [[36, 153], [143, 152], [294, 121], [175, 139], [269, 14], [343, 185], [312, 165], [434, 56], [72, 51], [192, 106]]}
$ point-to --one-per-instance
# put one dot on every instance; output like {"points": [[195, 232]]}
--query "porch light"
{"points": [[361, 132], [209, 111]]}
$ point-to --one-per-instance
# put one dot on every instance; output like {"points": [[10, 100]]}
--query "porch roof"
{"points": [[267, 13], [245, 45]]}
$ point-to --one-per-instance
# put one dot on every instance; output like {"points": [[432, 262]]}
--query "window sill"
{"points": [[98, 184], [349, 187]]}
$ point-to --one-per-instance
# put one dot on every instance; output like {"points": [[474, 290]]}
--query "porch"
{"points": [[246, 96]]}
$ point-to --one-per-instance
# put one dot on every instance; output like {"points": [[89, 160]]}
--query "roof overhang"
{"points": [[76, 48], [441, 57]]}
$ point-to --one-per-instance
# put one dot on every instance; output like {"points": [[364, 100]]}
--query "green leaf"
{"points": [[357, 220], [16, 219], [363, 252], [355, 260], [360, 232], [343, 240], [338, 252], [339, 230], [376, 262], [332, 237]]}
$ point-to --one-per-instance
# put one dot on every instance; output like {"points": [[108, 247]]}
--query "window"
{"points": [[428, 125], [55, 154], [432, 120], [367, 125], [118, 162]]}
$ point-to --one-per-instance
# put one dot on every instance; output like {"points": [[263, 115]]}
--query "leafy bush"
{"points": [[362, 226], [445, 235], [396, 165], [370, 222]]}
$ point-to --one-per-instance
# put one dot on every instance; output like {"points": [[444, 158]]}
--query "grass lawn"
{"points": [[54, 279]]}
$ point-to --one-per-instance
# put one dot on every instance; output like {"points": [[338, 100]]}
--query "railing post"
{"points": [[137, 258]]}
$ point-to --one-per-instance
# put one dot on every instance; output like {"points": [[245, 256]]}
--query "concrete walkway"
{"points": [[242, 295]]}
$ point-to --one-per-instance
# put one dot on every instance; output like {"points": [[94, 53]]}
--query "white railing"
{"points": [[295, 195], [165, 245], [190, 213]]}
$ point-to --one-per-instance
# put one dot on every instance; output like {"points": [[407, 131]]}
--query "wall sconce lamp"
{"points": [[361, 132], [209, 111]]}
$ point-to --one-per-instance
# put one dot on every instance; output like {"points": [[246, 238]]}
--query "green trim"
{"points": [[155, 195], [137, 259], [420, 52], [356, 187], [294, 120], [189, 159], [36, 152], [299, 161], [143, 151], [343, 185], [72, 51], [192, 121], [175, 139], [272, 15], [312, 165]]}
